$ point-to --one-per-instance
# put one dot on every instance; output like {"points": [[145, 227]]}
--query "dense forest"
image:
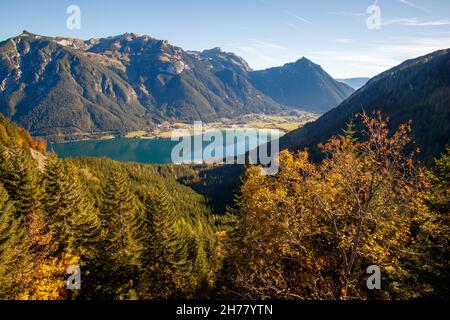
{"points": [[135, 232], [154, 232]]}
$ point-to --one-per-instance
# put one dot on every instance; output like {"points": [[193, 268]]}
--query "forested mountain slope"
{"points": [[417, 90], [134, 230], [64, 86], [303, 85]]}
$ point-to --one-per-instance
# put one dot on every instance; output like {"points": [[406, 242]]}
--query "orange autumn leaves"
{"points": [[23, 138], [37, 144], [311, 231]]}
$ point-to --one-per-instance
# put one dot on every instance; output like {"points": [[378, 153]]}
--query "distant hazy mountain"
{"points": [[303, 85], [417, 90], [355, 83]]}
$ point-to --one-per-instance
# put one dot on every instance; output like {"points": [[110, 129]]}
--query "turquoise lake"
{"points": [[149, 151]]}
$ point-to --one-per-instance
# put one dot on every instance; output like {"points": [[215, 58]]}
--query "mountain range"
{"points": [[416, 90], [55, 86]]}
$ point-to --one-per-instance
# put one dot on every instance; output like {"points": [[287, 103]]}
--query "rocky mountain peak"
{"points": [[26, 33], [216, 50], [231, 59], [305, 62]]}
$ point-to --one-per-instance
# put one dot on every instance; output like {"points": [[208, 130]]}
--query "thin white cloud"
{"points": [[262, 53], [442, 22], [293, 26], [348, 14], [413, 5], [302, 19], [298, 17], [260, 59], [416, 22], [413, 47], [378, 57]]}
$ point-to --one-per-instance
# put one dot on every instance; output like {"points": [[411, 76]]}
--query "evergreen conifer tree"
{"points": [[69, 208], [168, 266], [121, 217], [122, 246], [21, 180], [9, 235]]}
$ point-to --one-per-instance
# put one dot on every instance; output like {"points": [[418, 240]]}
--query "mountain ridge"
{"points": [[303, 85], [121, 83], [417, 90]]}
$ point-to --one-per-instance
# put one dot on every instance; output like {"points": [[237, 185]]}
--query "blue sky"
{"points": [[332, 33]]}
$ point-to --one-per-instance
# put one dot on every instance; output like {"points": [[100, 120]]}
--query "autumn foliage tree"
{"points": [[312, 230], [31, 267]]}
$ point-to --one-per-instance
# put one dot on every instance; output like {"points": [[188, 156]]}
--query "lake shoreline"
{"points": [[282, 123], [164, 136], [161, 150]]}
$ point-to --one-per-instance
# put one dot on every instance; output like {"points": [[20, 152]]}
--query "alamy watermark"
{"points": [[373, 22], [374, 280], [73, 22], [74, 280]]}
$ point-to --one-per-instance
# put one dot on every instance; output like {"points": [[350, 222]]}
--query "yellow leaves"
{"points": [[221, 234], [390, 269], [45, 280], [4, 137], [70, 260], [352, 208]]}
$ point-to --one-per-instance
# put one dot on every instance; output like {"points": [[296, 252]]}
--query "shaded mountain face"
{"points": [[173, 83], [54, 86], [355, 83], [51, 89], [417, 90], [302, 85]]}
